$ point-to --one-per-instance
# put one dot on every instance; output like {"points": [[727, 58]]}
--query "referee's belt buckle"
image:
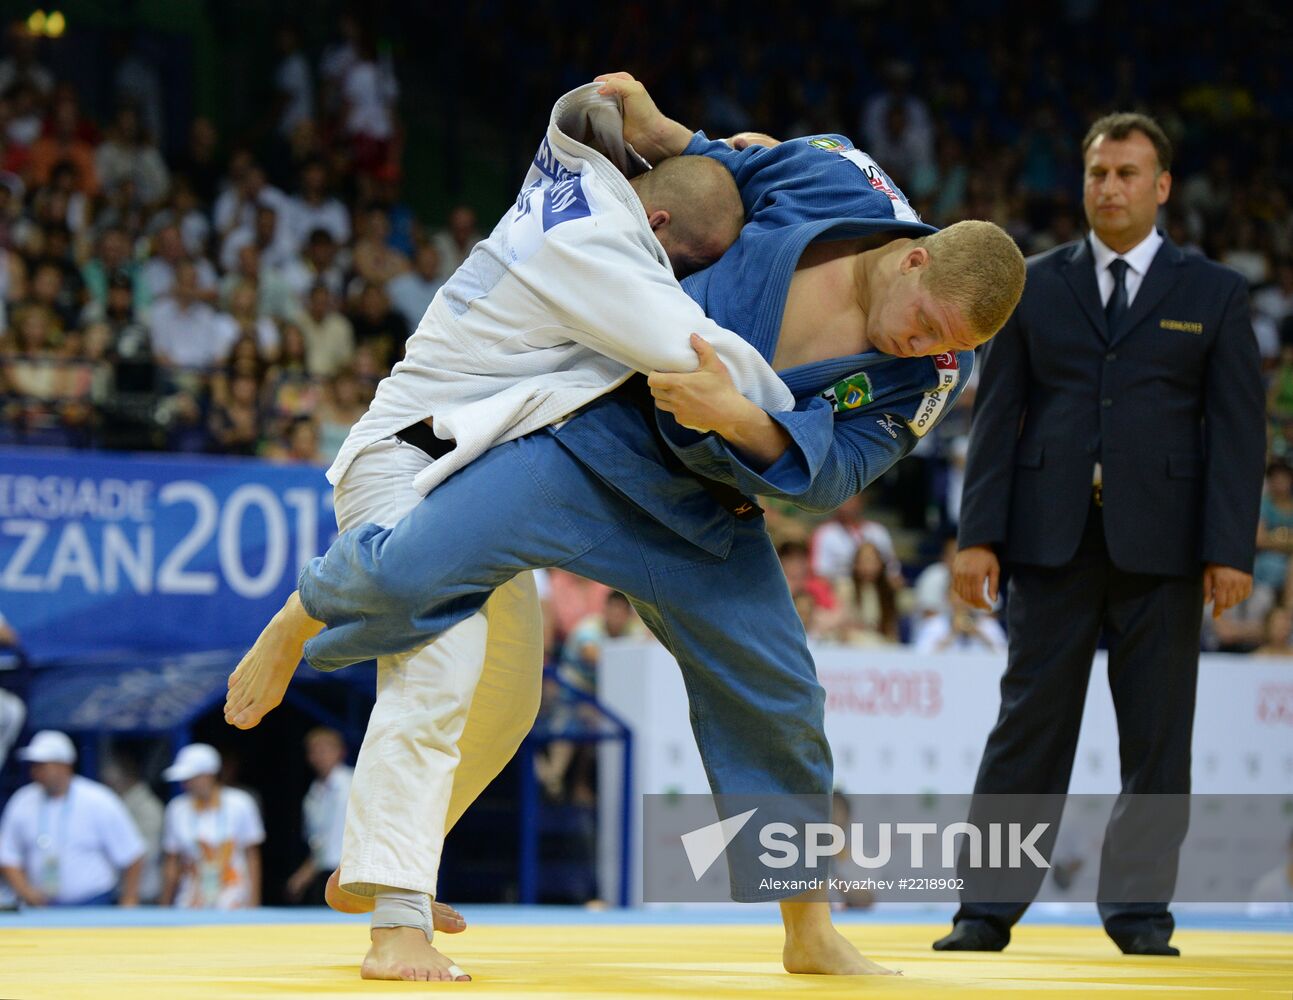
{"points": [[1097, 494]]}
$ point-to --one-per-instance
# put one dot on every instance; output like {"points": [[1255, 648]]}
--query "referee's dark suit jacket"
{"points": [[1171, 405]]}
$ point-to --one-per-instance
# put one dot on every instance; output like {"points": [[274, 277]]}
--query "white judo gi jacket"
{"points": [[568, 297]]}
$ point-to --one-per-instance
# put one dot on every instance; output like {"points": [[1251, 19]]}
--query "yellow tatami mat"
{"points": [[284, 962]]}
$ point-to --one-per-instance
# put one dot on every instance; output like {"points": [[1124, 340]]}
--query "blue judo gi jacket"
{"points": [[855, 415]]}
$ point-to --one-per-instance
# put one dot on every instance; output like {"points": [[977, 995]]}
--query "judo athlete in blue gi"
{"points": [[869, 316]]}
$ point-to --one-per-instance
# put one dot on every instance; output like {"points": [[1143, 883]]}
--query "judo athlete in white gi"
{"points": [[583, 294], [705, 581]]}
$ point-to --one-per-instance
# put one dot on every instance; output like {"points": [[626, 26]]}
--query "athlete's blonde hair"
{"points": [[976, 267]]}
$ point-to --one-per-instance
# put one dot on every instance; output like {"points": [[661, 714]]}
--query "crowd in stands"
{"points": [[246, 301]]}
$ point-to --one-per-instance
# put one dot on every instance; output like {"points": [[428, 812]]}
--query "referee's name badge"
{"points": [[1179, 324]]}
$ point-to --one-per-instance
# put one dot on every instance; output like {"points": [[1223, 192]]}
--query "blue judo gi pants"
{"points": [[756, 708]]}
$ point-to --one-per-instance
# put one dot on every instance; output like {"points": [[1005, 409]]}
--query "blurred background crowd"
{"points": [[218, 226]]}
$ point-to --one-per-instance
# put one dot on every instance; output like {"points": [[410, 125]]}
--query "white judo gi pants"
{"points": [[448, 716]]}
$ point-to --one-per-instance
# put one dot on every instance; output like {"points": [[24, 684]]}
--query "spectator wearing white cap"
{"points": [[65, 839], [211, 837]]}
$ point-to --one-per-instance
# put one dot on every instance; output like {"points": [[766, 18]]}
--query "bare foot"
{"points": [[405, 953], [828, 953], [444, 917], [258, 684]]}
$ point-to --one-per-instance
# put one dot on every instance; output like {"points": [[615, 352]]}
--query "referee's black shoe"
{"points": [[1147, 943], [973, 935]]}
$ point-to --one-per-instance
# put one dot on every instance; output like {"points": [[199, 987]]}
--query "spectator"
{"points": [[1278, 640], [963, 629], [324, 815], [314, 208], [160, 269], [376, 324], [376, 261], [300, 443], [244, 312], [343, 404], [835, 542], [113, 257], [63, 143], [274, 298], [456, 240], [329, 337], [582, 652], [412, 291], [128, 153], [211, 839], [930, 591], [812, 595], [368, 93], [185, 331], [185, 211], [868, 601], [1275, 530], [64, 839], [121, 774], [199, 161], [267, 234], [234, 424], [294, 90], [321, 262]]}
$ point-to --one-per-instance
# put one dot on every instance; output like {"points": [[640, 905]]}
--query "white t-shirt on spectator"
{"points": [[212, 848], [369, 93], [293, 81], [834, 545], [71, 848], [304, 218], [196, 337], [324, 812], [227, 204]]}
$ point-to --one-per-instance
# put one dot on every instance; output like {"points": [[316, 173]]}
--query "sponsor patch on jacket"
{"points": [[879, 180], [827, 143], [1180, 324], [889, 424], [564, 201], [850, 393], [933, 402]]}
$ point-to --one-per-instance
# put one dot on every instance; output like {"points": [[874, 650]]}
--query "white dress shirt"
{"points": [[1138, 259], [325, 816]]}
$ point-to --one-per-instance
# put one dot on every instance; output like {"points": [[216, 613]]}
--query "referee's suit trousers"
{"points": [[1151, 624]]}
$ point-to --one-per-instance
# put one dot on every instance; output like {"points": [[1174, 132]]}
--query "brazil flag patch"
{"points": [[850, 393], [827, 143]]}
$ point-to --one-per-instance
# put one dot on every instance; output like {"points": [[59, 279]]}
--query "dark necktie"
{"points": [[1116, 308]]}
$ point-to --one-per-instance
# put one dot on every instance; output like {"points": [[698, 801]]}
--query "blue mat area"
{"points": [[497, 915]]}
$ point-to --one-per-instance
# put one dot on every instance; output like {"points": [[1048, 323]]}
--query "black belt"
{"points": [[731, 499], [420, 435]]}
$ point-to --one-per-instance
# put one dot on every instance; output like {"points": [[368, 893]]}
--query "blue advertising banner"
{"points": [[154, 554]]}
